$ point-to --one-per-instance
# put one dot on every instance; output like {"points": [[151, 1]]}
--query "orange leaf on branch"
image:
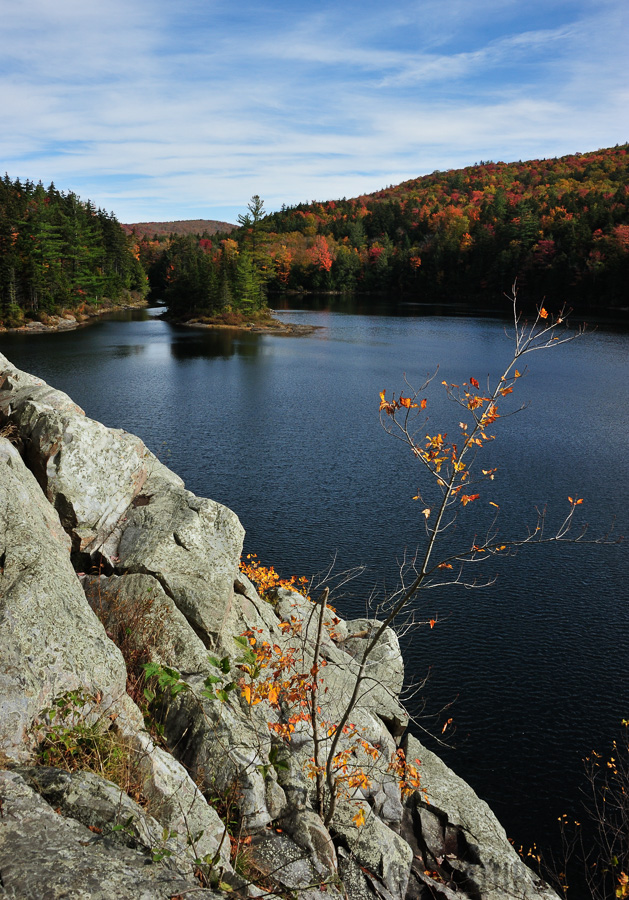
{"points": [[359, 818]]}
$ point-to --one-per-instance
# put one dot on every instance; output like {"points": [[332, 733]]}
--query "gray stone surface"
{"points": [[178, 805], [460, 830], [307, 831], [88, 472], [278, 858], [355, 881], [291, 604], [51, 640], [45, 855], [386, 665], [248, 612], [96, 803], [117, 501], [374, 847], [191, 546], [159, 628], [226, 747]]}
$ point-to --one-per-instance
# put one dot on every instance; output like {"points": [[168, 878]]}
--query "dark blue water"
{"points": [[285, 431]]}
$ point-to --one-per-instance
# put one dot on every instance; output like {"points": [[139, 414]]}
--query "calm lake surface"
{"points": [[285, 431]]}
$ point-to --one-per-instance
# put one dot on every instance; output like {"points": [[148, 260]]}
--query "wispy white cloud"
{"points": [[157, 111]]}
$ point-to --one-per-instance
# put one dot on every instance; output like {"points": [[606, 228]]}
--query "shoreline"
{"points": [[281, 329], [70, 321]]}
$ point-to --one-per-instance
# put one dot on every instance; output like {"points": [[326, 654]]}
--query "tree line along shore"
{"points": [[560, 227]]}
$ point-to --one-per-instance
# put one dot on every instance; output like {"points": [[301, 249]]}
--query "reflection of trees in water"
{"points": [[382, 304], [219, 343], [128, 350], [319, 302], [129, 315]]}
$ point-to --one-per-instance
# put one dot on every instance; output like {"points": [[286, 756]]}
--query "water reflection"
{"points": [[132, 315], [213, 343], [382, 305], [482, 306], [128, 350]]}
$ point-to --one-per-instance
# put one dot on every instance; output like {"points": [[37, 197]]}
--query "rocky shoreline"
{"points": [[69, 321], [107, 562]]}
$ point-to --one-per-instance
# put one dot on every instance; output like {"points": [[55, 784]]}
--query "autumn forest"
{"points": [[560, 226]]}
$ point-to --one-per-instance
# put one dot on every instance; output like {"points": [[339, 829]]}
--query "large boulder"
{"points": [[227, 749], [88, 472], [98, 804], [190, 545], [283, 863], [178, 805], [122, 508], [51, 640], [156, 629]]}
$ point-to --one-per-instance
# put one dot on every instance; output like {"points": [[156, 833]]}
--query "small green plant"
{"points": [[72, 737], [208, 869], [275, 762], [210, 690], [161, 850], [74, 733], [169, 680]]}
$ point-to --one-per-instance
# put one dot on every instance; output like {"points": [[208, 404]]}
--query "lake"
{"points": [[285, 431]]}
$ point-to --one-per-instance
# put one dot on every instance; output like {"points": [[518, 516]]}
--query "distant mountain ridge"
{"points": [[182, 226]]}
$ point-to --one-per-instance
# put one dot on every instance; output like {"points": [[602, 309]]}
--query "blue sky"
{"points": [[162, 110]]}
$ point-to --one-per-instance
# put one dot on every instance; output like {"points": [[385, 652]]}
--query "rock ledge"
{"points": [[106, 562]]}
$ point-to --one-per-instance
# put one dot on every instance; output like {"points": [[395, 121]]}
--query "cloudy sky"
{"points": [[172, 110]]}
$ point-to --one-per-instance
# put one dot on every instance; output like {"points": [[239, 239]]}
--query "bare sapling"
{"points": [[455, 470], [288, 675]]}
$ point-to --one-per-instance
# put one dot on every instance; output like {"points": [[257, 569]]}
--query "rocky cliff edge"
{"points": [[115, 785]]}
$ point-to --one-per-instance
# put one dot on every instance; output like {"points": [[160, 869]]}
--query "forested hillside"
{"points": [[58, 252], [560, 226], [185, 226]]}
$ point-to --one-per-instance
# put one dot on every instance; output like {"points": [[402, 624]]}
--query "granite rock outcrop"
{"points": [[108, 562]]}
